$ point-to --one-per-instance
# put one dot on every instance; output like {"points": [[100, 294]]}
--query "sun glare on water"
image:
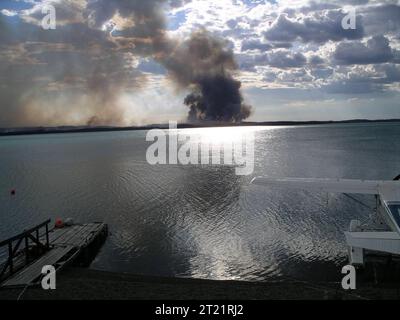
{"points": [[220, 135]]}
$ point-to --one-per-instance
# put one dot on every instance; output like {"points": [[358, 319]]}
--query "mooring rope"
{"points": [[22, 292]]}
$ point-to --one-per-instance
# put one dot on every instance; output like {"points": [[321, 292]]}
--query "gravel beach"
{"points": [[87, 284]]}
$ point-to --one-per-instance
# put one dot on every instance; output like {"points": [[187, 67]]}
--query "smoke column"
{"points": [[201, 63], [78, 73]]}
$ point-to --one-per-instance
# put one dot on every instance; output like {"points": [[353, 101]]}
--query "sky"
{"points": [[120, 62]]}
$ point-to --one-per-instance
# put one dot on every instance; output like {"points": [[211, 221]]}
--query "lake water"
{"points": [[200, 221]]}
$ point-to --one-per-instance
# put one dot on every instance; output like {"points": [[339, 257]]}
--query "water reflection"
{"points": [[199, 220]]}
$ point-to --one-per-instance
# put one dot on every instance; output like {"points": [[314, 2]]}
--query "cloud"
{"points": [[286, 59], [97, 54], [376, 50], [67, 11], [364, 80], [318, 27], [9, 13], [255, 44], [381, 19], [104, 54], [316, 60], [279, 58]]}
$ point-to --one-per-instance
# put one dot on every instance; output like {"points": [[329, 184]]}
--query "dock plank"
{"points": [[32, 272], [64, 236], [77, 236], [57, 233], [64, 242]]}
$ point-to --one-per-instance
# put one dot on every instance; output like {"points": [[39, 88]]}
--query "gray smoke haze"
{"points": [[202, 63], [78, 73], [69, 76]]}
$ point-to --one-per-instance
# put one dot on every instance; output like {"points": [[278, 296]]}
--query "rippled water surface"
{"points": [[200, 221]]}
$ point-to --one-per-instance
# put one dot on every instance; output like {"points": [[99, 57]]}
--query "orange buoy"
{"points": [[59, 223]]}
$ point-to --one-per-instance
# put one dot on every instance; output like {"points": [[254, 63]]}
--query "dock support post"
{"points": [[10, 257], [26, 249], [47, 236]]}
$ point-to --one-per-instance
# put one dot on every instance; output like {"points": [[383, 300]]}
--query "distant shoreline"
{"points": [[83, 129]]}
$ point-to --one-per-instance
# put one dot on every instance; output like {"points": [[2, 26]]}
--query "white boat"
{"points": [[381, 236]]}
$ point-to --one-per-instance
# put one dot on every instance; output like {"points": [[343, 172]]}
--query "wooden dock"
{"points": [[58, 247]]}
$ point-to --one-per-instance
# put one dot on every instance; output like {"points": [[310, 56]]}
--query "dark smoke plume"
{"points": [[78, 73], [217, 98], [201, 63]]}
